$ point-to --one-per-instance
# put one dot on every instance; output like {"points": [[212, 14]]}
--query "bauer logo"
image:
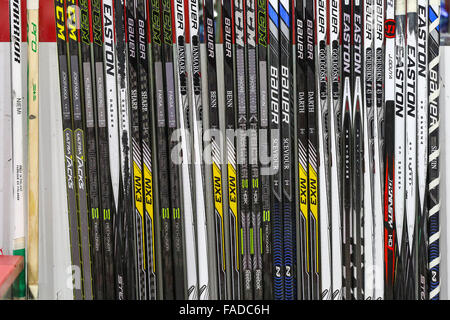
{"points": [[193, 15], [210, 35], [228, 37], [389, 28]]}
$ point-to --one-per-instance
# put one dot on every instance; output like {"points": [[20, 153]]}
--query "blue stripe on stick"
{"points": [[273, 15], [433, 16], [284, 15]]}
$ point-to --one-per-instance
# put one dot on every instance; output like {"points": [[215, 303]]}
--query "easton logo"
{"points": [[109, 39], [346, 43], [421, 43], [389, 28], [399, 79], [411, 83], [357, 44]]}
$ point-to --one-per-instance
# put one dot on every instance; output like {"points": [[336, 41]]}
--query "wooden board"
{"points": [[10, 268]]}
